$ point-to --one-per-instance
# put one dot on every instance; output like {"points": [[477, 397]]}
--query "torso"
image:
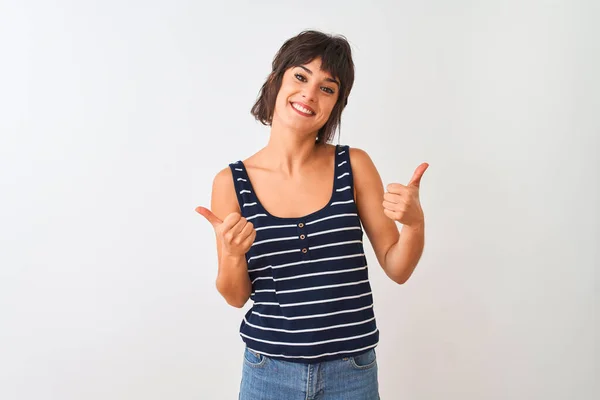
{"points": [[311, 297]]}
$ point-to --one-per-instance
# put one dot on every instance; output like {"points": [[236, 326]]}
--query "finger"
{"points": [[416, 178], [238, 227], [391, 215], [230, 221], [394, 207], [212, 218], [250, 239], [245, 234], [396, 188], [247, 230], [392, 198], [231, 235]]}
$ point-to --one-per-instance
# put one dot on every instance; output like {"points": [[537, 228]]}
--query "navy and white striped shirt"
{"points": [[311, 295]]}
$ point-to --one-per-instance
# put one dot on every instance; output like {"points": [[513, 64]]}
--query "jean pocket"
{"points": [[254, 359], [365, 360]]}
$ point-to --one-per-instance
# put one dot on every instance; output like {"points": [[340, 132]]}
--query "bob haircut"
{"points": [[336, 57]]}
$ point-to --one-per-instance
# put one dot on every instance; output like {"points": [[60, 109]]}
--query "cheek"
{"points": [[280, 101], [328, 109]]}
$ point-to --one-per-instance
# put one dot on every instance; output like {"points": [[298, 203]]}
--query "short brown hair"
{"points": [[336, 56]]}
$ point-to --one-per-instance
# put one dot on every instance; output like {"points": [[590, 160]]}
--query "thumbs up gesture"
{"points": [[235, 233], [401, 203]]}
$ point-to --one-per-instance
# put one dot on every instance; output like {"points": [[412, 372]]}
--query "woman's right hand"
{"points": [[235, 233]]}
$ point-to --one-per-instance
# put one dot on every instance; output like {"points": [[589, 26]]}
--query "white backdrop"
{"points": [[116, 115]]}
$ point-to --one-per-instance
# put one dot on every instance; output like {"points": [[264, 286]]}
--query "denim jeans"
{"points": [[350, 378]]}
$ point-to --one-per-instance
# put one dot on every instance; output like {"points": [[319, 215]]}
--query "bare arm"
{"points": [[398, 253], [234, 236]]}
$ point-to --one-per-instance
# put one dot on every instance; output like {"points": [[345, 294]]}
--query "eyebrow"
{"points": [[328, 79]]}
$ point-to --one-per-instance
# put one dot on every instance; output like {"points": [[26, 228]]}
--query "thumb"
{"points": [[212, 218], [416, 178]]}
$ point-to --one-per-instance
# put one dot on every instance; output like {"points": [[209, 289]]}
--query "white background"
{"points": [[116, 115]]}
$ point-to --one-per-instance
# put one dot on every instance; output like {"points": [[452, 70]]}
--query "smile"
{"points": [[302, 110]]}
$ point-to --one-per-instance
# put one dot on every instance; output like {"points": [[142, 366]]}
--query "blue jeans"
{"points": [[350, 378]]}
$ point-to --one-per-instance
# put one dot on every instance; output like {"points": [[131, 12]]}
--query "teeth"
{"points": [[300, 108]]}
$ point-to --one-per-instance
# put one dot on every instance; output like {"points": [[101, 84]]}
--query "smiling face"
{"points": [[306, 98]]}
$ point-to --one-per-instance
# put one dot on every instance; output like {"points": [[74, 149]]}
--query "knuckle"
{"points": [[233, 217]]}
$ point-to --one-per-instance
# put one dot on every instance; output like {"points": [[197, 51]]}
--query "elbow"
{"points": [[235, 303], [400, 279], [400, 274], [232, 298]]}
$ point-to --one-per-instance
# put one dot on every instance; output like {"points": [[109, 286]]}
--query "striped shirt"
{"points": [[311, 295]]}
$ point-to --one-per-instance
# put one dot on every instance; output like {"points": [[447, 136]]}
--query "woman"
{"points": [[292, 242]]}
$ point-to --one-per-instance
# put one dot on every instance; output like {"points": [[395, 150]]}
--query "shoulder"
{"points": [[224, 198], [359, 156], [363, 169], [362, 164], [223, 179]]}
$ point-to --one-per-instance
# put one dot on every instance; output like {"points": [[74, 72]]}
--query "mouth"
{"points": [[303, 109]]}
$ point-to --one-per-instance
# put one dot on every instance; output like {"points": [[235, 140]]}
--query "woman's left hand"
{"points": [[401, 203]]}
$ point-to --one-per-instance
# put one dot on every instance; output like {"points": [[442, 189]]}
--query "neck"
{"points": [[289, 150]]}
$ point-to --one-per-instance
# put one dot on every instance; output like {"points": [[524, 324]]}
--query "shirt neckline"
{"points": [[304, 217]]}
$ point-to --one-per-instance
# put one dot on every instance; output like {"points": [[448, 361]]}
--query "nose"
{"points": [[310, 92]]}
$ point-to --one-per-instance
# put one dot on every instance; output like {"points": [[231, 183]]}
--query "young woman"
{"points": [[289, 224]]}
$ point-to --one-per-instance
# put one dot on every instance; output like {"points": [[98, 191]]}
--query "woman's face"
{"points": [[306, 97]]}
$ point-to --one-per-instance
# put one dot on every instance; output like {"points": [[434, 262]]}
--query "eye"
{"points": [[300, 77], [327, 90]]}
